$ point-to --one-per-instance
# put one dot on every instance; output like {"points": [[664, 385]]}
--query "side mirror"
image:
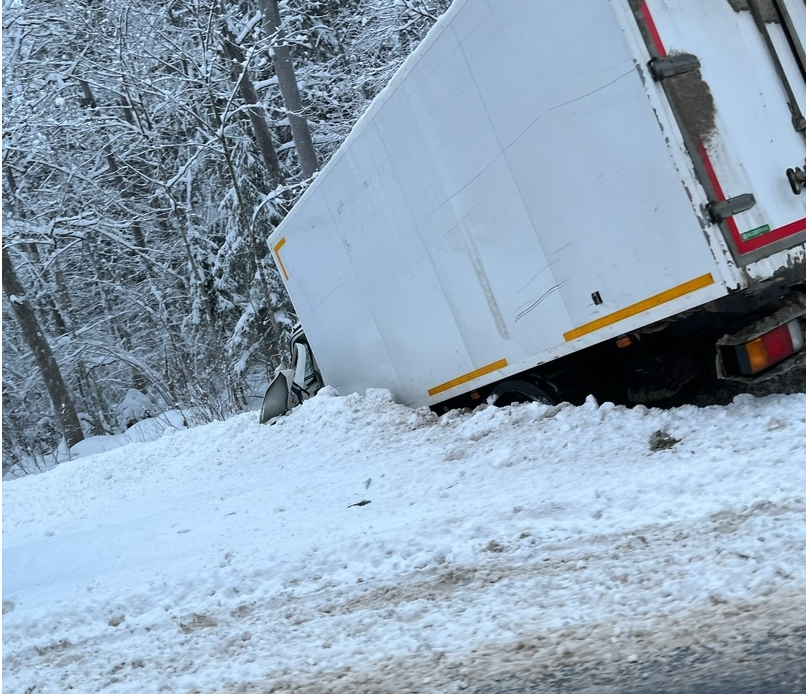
{"points": [[291, 385], [276, 401]]}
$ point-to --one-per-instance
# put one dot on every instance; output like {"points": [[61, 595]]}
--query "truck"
{"points": [[555, 198]]}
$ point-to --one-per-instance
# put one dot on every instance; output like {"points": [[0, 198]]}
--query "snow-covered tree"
{"points": [[147, 154]]}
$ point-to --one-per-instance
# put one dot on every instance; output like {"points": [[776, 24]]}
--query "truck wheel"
{"points": [[510, 392]]}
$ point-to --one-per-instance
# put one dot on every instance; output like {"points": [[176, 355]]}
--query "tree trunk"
{"points": [[112, 165], [32, 251], [287, 81], [257, 115], [48, 368]]}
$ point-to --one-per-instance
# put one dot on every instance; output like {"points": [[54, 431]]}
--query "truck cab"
{"points": [[292, 384]]}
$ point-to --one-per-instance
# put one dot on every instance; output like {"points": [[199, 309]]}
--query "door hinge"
{"points": [[720, 211], [665, 66]]}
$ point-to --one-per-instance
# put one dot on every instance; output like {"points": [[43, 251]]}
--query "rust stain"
{"points": [[694, 103]]}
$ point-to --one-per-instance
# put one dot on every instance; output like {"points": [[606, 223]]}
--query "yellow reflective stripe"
{"points": [[500, 364], [641, 306], [277, 248]]}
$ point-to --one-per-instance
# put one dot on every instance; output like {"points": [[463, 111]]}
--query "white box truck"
{"points": [[549, 195]]}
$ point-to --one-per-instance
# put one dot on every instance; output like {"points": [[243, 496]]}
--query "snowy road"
{"points": [[504, 550], [740, 644], [604, 644], [775, 666]]}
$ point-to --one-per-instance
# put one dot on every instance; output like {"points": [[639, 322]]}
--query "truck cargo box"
{"points": [[542, 177]]}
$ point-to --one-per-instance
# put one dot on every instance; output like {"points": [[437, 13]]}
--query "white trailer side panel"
{"points": [[585, 148], [512, 170]]}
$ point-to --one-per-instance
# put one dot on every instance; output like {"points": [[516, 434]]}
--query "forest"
{"points": [[149, 149]]}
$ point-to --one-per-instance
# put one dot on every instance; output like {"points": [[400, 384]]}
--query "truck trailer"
{"points": [[549, 196]]}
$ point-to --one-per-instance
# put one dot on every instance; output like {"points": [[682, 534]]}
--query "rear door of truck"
{"points": [[734, 73]]}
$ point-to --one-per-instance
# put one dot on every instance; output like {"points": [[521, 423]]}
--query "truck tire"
{"points": [[520, 391]]}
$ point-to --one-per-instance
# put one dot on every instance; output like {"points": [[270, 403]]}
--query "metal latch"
{"points": [[797, 179], [665, 66], [720, 211]]}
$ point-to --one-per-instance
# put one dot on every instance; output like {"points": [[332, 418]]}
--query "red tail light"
{"points": [[770, 348]]}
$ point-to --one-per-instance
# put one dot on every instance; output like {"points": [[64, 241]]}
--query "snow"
{"points": [[238, 557], [134, 407]]}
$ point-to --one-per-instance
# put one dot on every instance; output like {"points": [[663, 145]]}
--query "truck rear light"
{"points": [[796, 331], [770, 348]]}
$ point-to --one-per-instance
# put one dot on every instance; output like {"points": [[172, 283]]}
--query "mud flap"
{"points": [[276, 399]]}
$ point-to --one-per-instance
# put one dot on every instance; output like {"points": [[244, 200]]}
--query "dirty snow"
{"points": [[357, 545]]}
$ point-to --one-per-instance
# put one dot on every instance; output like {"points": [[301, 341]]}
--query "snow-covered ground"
{"points": [[360, 546]]}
